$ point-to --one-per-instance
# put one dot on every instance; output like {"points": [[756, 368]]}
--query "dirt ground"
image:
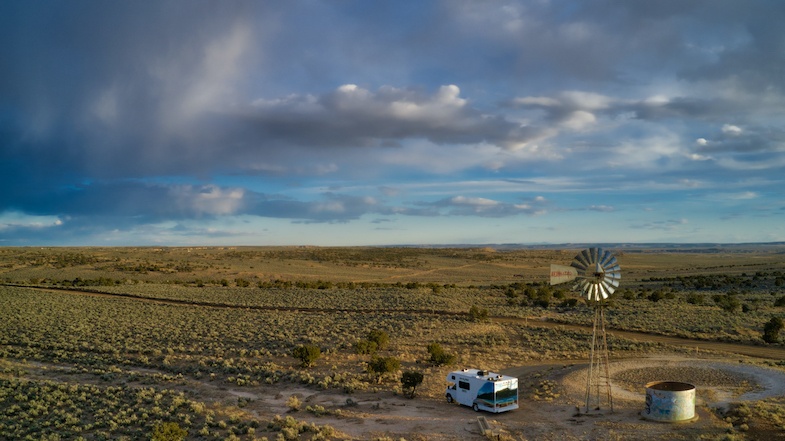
{"points": [[558, 413], [552, 398]]}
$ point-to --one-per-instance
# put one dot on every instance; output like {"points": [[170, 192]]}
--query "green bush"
{"points": [[381, 338], [307, 354], [477, 314], [366, 347], [727, 302], [438, 356], [168, 432], [383, 365]]}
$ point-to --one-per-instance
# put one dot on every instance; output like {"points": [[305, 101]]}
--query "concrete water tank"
{"points": [[670, 401]]}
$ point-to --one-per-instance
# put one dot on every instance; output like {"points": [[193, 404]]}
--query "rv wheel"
{"points": [[449, 398], [476, 407]]}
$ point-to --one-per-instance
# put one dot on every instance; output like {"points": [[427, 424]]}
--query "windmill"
{"points": [[597, 274]]}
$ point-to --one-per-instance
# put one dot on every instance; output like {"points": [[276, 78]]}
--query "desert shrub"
{"points": [[377, 340], [307, 354], [477, 314], [695, 298], [381, 338], [168, 432], [727, 302], [366, 347], [410, 380], [242, 283], [438, 356], [771, 330], [383, 365], [542, 303], [780, 301], [293, 403], [569, 303], [627, 294]]}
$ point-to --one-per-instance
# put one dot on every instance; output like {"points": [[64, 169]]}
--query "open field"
{"points": [[109, 343]]}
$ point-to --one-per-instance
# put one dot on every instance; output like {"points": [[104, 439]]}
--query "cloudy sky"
{"points": [[387, 122]]}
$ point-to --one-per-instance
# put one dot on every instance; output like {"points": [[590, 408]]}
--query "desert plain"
{"points": [[206, 343]]}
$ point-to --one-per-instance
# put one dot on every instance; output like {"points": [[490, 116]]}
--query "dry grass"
{"points": [[190, 315]]}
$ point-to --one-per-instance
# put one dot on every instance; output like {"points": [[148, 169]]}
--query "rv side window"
{"points": [[464, 385]]}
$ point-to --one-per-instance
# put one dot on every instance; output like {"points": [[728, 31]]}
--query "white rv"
{"points": [[482, 390]]}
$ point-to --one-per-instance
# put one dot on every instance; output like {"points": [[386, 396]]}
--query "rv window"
{"points": [[453, 377], [464, 385]]}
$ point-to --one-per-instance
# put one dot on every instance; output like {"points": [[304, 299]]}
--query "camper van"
{"points": [[482, 390]]}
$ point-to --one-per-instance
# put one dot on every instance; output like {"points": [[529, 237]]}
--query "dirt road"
{"points": [[769, 352]]}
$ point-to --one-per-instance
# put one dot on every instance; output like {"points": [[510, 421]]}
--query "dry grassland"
{"points": [[111, 343]]}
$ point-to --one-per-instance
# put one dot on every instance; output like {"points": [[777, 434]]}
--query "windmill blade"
{"points": [[562, 274], [608, 287], [594, 253], [584, 257], [580, 262], [603, 256]]}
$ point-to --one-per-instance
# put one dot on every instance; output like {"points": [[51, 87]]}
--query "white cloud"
{"points": [[210, 199], [745, 195], [730, 129], [543, 101], [578, 120], [15, 219], [477, 202]]}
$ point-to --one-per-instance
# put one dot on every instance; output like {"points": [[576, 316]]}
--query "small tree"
{"points": [[771, 330], [307, 354], [410, 380], [168, 432], [438, 356]]}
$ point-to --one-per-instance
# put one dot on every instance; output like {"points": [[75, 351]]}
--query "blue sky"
{"points": [[389, 122]]}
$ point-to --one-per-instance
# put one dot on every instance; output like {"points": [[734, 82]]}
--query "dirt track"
{"points": [[769, 352]]}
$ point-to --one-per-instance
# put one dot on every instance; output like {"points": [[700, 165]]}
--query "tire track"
{"points": [[767, 352]]}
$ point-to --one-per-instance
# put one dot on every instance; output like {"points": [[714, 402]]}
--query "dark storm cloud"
{"points": [[104, 104]]}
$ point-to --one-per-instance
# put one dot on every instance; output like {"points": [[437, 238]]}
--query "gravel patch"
{"points": [[716, 382]]}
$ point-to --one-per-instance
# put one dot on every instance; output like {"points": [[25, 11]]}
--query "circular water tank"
{"points": [[670, 401]]}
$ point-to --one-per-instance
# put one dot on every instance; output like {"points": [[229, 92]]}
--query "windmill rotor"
{"points": [[596, 270]]}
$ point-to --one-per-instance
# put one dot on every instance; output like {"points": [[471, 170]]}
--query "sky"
{"points": [[342, 123]]}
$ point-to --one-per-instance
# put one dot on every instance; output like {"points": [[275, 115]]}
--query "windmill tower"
{"points": [[598, 274]]}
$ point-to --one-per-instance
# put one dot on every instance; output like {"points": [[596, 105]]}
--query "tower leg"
{"points": [[598, 376]]}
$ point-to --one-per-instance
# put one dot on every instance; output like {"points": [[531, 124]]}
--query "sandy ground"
{"points": [[558, 413], [551, 398]]}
